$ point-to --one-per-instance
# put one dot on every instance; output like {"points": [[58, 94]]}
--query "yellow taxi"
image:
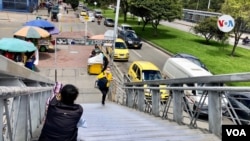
{"points": [[120, 52], [144, 71], [83, 13]]}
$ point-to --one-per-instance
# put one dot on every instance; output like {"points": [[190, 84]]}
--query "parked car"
{"points": [[192, 59], [91, 16], [240, 104], [143, 71], [98, 13], [109, 22], [124, 27], [83, 12], [120, 51], [130, 38]]}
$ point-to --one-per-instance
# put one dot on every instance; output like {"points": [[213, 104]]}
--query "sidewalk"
{"points": [[70, 61]]}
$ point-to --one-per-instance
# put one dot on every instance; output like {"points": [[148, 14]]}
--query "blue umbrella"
{"points": [[53, 31], [16, 45], [40, 23]]}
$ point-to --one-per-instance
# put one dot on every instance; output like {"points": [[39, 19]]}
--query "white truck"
{"points": [[183, 68]]}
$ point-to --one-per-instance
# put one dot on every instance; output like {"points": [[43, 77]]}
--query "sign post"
{"points": [[86, 18], [115, 30], [55, 60]]}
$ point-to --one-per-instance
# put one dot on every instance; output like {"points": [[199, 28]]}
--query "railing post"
{"points": [[214, 112], [141, 99], [177, 107], [130, 98], [156, 102]]}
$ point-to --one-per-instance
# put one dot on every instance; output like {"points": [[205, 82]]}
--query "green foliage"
{"points": [[240, 11], [215, 5], [155, 11], [208, 28], [176, 41], [74, 3]]}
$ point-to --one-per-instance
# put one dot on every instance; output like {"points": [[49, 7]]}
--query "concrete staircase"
{"points": [[114, 122]]}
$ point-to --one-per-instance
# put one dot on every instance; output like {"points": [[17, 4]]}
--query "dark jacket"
{"points": [[61, 122]]}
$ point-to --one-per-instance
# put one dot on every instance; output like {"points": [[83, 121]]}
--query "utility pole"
{"points": [[115, 30], [208, 5], [197, 5]]}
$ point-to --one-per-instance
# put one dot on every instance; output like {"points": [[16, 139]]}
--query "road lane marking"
{"points": [[137, 54]]}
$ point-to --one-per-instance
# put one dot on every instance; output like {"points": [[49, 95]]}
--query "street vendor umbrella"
{"points": [[32, 32], [16, 45], [40, 23], [53, 31]]}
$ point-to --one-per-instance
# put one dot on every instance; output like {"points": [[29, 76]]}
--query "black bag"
{"points": [[102, 83]]}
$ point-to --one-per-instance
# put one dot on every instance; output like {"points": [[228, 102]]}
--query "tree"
{"points": [[240, 11], [215, 5], [164, 10], [140, 11], [124, 7], [208, 28], [156, 11], [74, 3]]}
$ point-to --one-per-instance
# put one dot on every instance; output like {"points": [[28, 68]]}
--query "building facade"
{"points": [[18, 5]]}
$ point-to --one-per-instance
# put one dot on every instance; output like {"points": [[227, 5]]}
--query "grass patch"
{"points": [[215, 55]]}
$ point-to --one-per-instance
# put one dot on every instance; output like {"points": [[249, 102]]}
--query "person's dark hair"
{"points": [[69, 94]]}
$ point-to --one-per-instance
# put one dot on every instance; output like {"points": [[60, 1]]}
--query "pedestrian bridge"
{"points": [[127, 116]]}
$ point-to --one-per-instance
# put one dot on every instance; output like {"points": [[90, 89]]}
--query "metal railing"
{"points": [[213, 99], [23, 95]]}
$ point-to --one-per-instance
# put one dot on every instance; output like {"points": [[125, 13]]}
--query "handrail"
{"points": [[214, 92], [11, 69], [23, 96]]}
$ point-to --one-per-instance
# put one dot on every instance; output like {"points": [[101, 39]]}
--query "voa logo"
{"points": [[225, 23], [236, 132]]}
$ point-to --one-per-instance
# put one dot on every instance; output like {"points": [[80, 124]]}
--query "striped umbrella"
{"points": [[32, 32]]}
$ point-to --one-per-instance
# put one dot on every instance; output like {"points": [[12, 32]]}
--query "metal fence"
{"points": [[23, 95], [213, 107]]}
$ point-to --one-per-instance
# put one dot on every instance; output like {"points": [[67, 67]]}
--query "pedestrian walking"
{"points": [[49, 9], [139, 20], [104, 89], [63, 116], [105, 63]]}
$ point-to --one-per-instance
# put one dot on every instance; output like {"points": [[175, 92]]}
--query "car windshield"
{"points": [[151, 75], [128, 28], [98, 12], [110, 20], [120, 45], [197, 62], [241, 105], [132, 35]]}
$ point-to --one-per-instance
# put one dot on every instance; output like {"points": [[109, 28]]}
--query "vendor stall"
{"points": [[95, 64]]}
